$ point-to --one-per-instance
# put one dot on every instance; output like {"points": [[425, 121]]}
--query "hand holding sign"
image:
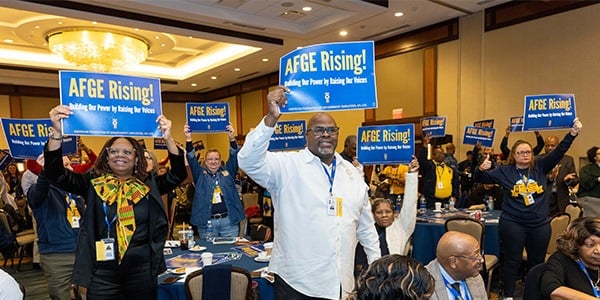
{"points": [[57, 114], [576, 127], [275, 99], [230, 132], [413, 166], [486, 164]]}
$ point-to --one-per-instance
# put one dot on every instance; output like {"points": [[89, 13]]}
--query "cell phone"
{"points": [[170, 279]]}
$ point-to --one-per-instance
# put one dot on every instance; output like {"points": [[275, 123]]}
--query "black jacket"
{"points": [[93, 221]]}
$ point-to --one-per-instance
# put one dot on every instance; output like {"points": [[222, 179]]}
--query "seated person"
{"points": [[456, 268], [572, 271], [394, 277], [394, 230], [481, 192]]}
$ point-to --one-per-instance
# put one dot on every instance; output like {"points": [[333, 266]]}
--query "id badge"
{"points": [[75, 222], [331, 206], [440, 185], [216, 198], [529, 200], [105, 249]]}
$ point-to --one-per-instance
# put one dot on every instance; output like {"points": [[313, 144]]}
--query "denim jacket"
{"points": [[205, 185]]}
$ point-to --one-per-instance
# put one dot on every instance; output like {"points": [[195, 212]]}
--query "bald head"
{"points": [[453, 243], [550, 143], [459, 255]]}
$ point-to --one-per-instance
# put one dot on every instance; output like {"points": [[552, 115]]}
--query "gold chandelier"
{"points": [[98, 50]]}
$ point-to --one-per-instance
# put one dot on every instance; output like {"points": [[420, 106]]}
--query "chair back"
{"points": [[241, 285], [4, 221], [469, 226], [532, 282], [574, 211], [558, 225]]}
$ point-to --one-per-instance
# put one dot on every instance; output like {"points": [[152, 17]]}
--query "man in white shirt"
{"points": [[456, 268], [321, 207]]}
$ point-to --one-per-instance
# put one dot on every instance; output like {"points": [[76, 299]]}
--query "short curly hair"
{"points": [[395, 277], [578, 231], [591, 154]]}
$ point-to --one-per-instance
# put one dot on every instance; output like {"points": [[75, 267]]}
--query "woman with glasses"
{"points": [[216, 198], [573, 271], [524, 222], [119, 251]]}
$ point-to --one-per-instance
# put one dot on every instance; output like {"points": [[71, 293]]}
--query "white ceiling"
{"points": [[202, 28]]}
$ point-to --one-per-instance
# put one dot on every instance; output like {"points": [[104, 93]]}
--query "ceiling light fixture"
{"points": [[98, 50]]}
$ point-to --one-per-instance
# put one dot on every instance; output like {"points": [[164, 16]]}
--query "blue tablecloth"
{"points": [[176, 290], [427, 234]]}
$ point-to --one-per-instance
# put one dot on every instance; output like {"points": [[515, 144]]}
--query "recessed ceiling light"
{"points": [[343, 33], [190, 37], [94, 22], [156, 37], [237, 69], [59, 22], [36, 26], [9, 41], [398, 14], [213, 77], [162, 45], [307, 8], [194, 84], [136, 29], [265, 59]]}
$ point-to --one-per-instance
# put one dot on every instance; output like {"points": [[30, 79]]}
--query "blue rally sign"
{"points": [[483, 135], [434, 125], [207, 117], [26, 137], [326, 77], [106, 104], [489, 123], [548, 112], [288, 135], [386, 144], [516, 123]]}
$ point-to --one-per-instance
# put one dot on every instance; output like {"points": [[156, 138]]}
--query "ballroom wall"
{"points": [[479, 76]]}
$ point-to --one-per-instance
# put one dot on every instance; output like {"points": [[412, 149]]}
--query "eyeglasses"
{"points": [[318, 131], [477, 257], [521, 153], [116, 152]]}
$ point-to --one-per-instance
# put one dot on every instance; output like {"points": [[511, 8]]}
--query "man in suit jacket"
{"points": [[456, 268], [560, 178]]}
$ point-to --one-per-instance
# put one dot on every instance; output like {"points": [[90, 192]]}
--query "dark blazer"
{"points": [[85, 261]]}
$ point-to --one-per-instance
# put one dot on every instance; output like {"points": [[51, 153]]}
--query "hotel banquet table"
{"points": [[176, 291], [430, 228]]}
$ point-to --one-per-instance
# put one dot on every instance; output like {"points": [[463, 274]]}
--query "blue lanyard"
{"points": [[330, 176], [108, 225], [456, 293], [594, 288]]}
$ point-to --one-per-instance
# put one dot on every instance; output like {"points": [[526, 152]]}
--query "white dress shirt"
{"points": [[313, 251]]}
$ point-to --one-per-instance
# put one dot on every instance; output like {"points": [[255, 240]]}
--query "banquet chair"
{"points": [[240, 289], [23, 238], [558, 225], [574, 210], [477, 230], [532, 289]]}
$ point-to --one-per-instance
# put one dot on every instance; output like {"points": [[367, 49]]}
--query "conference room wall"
{"points": [[485, 75]]}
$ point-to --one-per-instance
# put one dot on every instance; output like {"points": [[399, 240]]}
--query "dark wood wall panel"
{"points": [[516, 12]]}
